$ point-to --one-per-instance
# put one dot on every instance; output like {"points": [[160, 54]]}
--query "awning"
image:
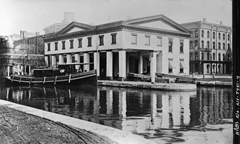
{"points": [[182, 65], [170, 65]]}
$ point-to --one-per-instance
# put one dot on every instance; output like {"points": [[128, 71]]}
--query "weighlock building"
{"points": [[154, 44]]}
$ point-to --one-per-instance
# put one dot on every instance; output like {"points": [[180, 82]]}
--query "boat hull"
{"points": [[72, 79]]}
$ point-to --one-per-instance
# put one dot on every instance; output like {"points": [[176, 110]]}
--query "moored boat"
{"points": [[64, 74]]}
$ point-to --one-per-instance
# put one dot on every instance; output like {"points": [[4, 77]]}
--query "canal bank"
{"points": [[214, 83], [79, 130], [148, 85]]}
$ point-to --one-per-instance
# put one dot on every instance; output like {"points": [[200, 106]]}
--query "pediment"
{"points": [[74, 27], [159, 25], [157, 22]]}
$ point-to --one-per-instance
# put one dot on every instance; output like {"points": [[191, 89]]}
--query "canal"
{"points": [[156, 115]]}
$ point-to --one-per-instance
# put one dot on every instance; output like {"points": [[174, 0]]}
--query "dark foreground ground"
{"points": [[20, 128]]}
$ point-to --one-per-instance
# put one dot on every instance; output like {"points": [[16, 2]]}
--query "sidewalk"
{"points": [[22, 124]]}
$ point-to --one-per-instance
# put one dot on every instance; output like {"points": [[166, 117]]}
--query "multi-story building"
{"points": [[23, 50], [210, 47], [68, 18], [152, 44]]}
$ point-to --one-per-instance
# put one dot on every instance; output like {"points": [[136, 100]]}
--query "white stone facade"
{"points": [[123, 47]]}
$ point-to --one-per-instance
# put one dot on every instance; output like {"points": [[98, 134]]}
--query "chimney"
{"points": [[204, 19], [68, 17], [221, 23]]}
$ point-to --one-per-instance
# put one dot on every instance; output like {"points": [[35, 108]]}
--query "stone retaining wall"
{"points": [[148, 85]]}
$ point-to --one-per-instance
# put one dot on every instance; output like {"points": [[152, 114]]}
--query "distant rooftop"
{"points": [[68, 18]]}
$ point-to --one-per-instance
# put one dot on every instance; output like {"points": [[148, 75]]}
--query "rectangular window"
{"points": [[208, 56], [147, 40], [170, 44], [170, 66], [114, 38], [196, 43], [191, 44], [89, 41], [196, 55], [134, 38], [181, 70], [159, 40], [63, 45], [71, 44], [56, 45], [191, 56], [213, 56], [80, 43], [181, 46], [219, 45], [213, 45], [101, 42], [49, 46], [196, 33]]}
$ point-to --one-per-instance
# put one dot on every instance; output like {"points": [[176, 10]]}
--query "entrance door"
{"points": [[103, 65]]}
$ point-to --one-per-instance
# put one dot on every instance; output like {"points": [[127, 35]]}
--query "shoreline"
{"points": [[114, 135], [149, 85]]}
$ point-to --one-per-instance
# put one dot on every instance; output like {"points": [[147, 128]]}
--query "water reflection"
{"points": [[153, 114]]}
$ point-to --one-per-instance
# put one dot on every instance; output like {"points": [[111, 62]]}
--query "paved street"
{"points": [[19, 127]]}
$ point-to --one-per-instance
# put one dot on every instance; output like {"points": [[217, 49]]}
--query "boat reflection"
{"points": [[145, 112]]}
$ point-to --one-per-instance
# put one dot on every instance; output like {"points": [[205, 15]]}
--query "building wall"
{"points": [[95, 39], [225, 53], [125, 41]]}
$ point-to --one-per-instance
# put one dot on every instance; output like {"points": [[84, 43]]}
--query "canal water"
{"points": [[156, 115]]}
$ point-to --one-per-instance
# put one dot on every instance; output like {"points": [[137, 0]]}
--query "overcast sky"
{"points": [[34, 15]]}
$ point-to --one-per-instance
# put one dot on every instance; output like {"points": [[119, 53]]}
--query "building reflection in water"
{"points": [[134, 110]]}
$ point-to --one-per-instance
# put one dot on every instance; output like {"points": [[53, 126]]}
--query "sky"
{"points": [[34, 15]]}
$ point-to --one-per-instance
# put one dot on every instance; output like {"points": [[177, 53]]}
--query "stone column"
{"points": [[86, 59], [77, 60], [96, 106], [153, 66], [122, 105], [165, 111], [46, 60], [109, 102], [153, 108], [109, 64], [140, 64], [54, 61], [61, 61], [97, 62], [186, 109], [69, 58], [122, 65]]}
